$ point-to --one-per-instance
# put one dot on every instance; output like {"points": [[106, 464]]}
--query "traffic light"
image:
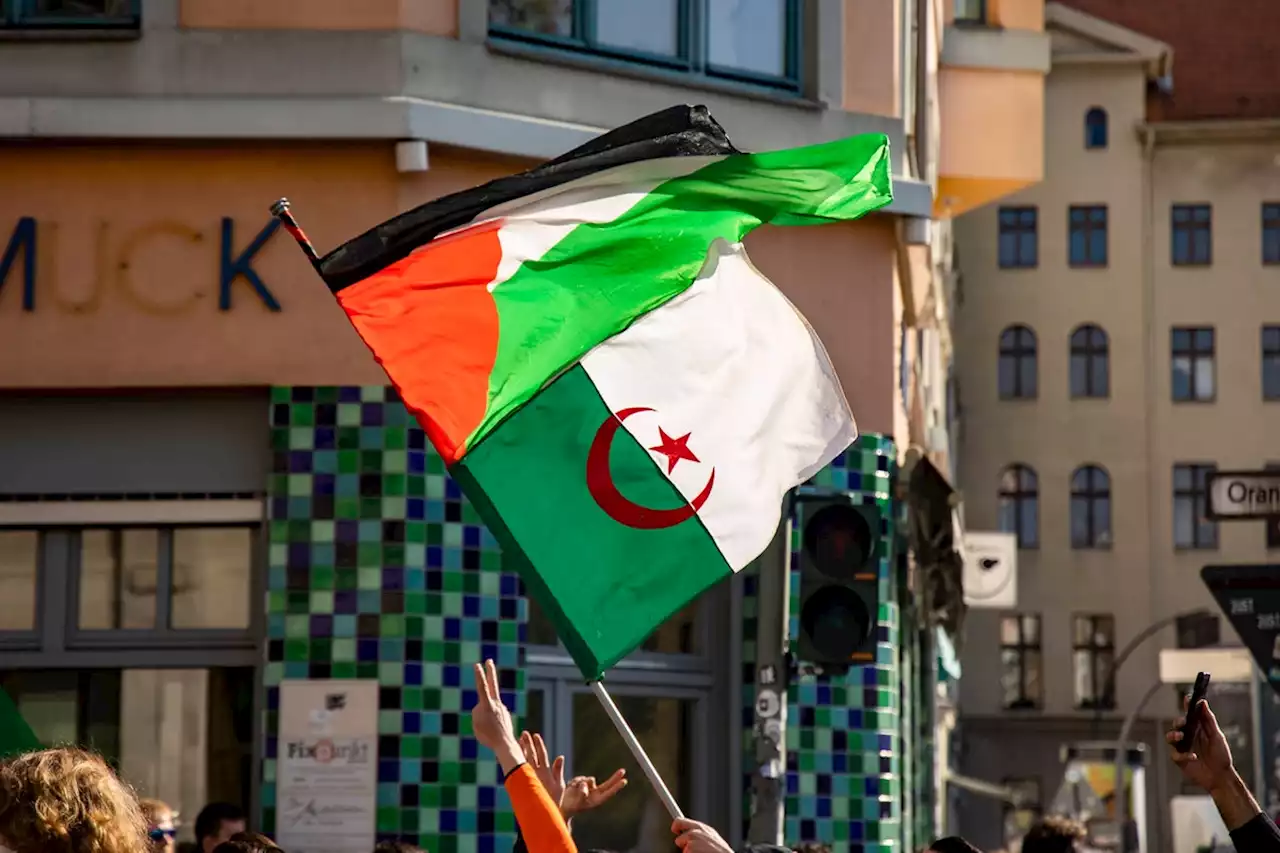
{"points": [[840, 550]]}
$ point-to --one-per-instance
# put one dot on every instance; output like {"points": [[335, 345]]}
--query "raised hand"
{"points": [[550, 773], [491, 721], [1208, 762], [583, 794], [696, 837]]}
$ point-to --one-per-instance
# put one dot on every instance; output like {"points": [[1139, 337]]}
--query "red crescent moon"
{"points": [[616, 506]]}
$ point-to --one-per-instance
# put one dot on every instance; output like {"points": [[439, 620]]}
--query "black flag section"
{"points": [[1250, 597]]}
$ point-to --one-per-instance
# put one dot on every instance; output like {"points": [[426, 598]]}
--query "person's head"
{"points": [[162, 824], [396, 847], [1054, 834], [248, 842], [216, 823], [953, 844], [67, 801]]}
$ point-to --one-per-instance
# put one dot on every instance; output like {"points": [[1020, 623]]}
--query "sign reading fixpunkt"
{"points": [[1244, 494]]}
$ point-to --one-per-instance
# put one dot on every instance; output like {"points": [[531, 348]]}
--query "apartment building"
{"points": [[211, 507], [1117, 340]]}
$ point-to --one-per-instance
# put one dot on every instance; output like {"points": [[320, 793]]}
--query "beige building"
{"points": [[1118, 337]]}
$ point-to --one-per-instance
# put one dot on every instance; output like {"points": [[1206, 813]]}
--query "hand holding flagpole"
{"points": [[637, 751]]}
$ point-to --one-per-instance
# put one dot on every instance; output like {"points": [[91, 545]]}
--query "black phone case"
{"points": [[1193, 713]]}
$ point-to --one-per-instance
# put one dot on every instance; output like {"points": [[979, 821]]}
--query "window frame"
{"points": [[1090, 351], [1093, 219], [1191, 224], [17, 639], [1018, 351], [1023, 647], [1018, 221], [1195, 354], [22, 15], [1019, 497], [1270, 226], [692, 59], [1096, 121], [1269, 355], [1198, 494], [1088, 495], [978, 17], [1105, 692]]}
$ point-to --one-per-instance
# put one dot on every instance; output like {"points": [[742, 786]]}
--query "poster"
{"points": [[327, 766]]}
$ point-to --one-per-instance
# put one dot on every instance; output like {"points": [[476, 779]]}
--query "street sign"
{"points": [[1244, 494], [1250, 597]]}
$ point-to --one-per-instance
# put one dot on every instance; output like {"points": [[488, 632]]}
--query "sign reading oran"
{"points": [[32, 241], [1244, 494]]}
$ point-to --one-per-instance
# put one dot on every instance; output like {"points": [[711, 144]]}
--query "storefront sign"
{"points": [[327, 754], [34, 246], [1244, 494]]}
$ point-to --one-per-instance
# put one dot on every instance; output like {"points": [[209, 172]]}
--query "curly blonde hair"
{"points": [[67, 801]]}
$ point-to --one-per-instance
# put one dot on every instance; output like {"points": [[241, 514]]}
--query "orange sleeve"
{"points": [[541, 824]]}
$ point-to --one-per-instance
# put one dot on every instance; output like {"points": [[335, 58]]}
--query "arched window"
{"points": [[1016, 376], [1095, 128], [1090, 507], [1090, 362], [1020, 505]]}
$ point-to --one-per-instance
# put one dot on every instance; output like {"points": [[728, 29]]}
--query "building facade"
{"points": [[1114, 347], [208, 495]]}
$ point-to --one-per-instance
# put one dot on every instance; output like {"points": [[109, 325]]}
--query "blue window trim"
{"points": [[1095, 128], [23, 14], [1088, 221], [691, 49]]}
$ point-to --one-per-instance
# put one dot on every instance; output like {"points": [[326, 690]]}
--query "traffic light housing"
{"points": [[839, 554]]}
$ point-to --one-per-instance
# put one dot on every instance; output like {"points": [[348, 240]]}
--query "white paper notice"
{"points": [[327, 777]]}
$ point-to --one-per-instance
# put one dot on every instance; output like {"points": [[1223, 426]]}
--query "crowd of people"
{"points": [[68, 800]]}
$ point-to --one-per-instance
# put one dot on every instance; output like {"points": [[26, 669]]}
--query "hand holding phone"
{"points": [[1193, 713]]}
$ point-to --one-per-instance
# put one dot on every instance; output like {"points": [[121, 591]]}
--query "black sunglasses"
{"points": [[161, 834]]}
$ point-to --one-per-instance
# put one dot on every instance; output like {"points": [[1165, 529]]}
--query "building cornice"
{"points": [[1120, 44], [1167, 133]]}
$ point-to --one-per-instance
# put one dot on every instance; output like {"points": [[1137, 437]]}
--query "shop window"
{"points": [[1192, 527], [1193, 363], [70, 14], [1017, 371], [1271, 363], [1270, 233], [164, 580], [1090, 508], [1093, 647], [1021, 661], [1090, 363], [751, 41], [19, 562], [1087, 235], [204, 717], [1192, 235], [1095, 128], [1019, 242], [1020, 505]]}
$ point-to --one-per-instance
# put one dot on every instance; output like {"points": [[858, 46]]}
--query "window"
{"points": [[1019, 819], [69, 14], [1019, 243], [1272, 524], [1192, 235], [1192, 528], [1090, 363], [1270, 233], [19, 566], [1095, 128], [1093, 647], [748, 41], [1020, 505], [1090, 508], [1016, 375], [1087, 235], [1020, 661], [669, 690], [1193, 365], [1271, 362], [971, 11]]}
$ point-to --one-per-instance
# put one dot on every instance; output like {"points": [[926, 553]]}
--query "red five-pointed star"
{"points": [[674, 449]]}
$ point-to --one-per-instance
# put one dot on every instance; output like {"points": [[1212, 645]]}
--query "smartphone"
{"points": [[1193, 713]]}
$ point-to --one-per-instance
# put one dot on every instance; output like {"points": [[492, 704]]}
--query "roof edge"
{"points": [[1155, 56]]}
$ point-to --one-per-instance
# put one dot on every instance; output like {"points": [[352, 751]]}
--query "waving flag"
{"points": [[624, 397]]}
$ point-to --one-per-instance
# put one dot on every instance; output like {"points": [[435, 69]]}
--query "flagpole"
{"points": [[280, 210], [637, 751]]}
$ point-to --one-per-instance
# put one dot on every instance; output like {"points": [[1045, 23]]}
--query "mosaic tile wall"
{"points": [[379, 568], [844, 750]]}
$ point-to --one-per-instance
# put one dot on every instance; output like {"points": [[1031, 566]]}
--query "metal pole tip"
{"points": [[279, 206]]}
